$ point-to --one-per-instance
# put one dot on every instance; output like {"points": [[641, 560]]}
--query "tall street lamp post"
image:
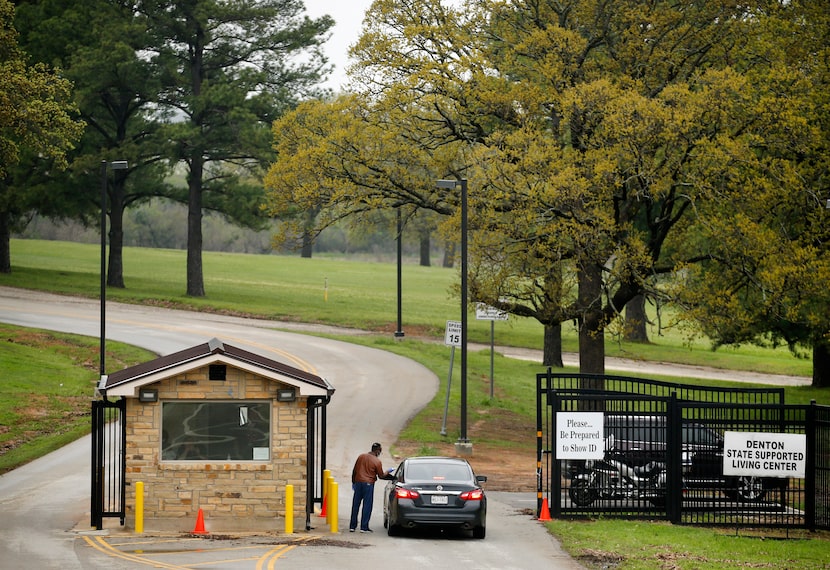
{"points": [[113, 165], [399, 332], [464, 446]]}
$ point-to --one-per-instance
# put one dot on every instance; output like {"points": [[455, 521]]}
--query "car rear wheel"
{"points": [[392, 530], [746, 489], [479, 532], [750, 489], [582, 493]]}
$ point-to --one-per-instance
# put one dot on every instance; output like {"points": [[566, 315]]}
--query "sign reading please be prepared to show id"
{"points": [[764, 454], [579, 435]]}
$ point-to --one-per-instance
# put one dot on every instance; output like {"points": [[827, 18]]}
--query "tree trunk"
{"points": [[552, 353], [308, 241], [5, 242], [115, 266], [424, 244], [635, 320], [449, 254], [821, 363], [308, 246], [591, 333], [195, 279]]}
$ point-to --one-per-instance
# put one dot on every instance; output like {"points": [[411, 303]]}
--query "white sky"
{"points": [[348, 19]]}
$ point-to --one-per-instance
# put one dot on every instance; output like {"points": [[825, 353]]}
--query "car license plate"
{"points": [[439, 499]]}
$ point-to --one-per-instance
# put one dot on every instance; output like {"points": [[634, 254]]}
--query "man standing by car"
{"points": [[367, 469]]}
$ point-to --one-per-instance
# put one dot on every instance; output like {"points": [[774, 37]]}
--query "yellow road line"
{"points": [[101, 545], [267, 560]]}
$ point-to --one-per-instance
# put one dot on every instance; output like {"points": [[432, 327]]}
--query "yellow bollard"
{"points": [[333, 507], [139, 507], [329, 507], [326, 475], [289, 509]]}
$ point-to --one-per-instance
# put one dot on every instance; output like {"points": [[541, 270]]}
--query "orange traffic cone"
{"points": [[200, 524], [544, 514], [323, 510]]}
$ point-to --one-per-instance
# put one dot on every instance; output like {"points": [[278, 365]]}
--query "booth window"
{"points": [[216, 431]]}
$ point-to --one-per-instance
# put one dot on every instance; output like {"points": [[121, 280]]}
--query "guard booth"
{"points": [[212, 428]]}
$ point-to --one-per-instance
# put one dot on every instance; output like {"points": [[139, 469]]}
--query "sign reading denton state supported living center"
{"points": [[579, 435], [756, 454]]}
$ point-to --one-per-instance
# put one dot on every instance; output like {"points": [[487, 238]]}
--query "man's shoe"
{"points": [[366, 530], [351, 530]]}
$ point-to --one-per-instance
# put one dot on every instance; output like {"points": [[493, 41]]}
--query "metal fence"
{"points": [[662, 455]]}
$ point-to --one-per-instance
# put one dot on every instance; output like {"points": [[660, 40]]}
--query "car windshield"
{"points": [[635, 429], [652, 429], [699, 435], [437, 472]]}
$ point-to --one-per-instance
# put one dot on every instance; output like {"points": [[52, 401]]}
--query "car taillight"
{"points": [[474, 495], [402, 493]]}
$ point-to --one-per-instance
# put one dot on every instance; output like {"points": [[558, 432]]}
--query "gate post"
{"points": [[555, 466], [810, 468], [96, 475], [674, 483], [539, 442]]}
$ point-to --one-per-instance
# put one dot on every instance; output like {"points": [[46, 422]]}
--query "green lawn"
{"points": [[48, 382], [339, 292], [644, 545]]}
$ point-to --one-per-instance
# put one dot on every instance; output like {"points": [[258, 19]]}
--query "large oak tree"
{"points": [[598, 137], [764, 242]]}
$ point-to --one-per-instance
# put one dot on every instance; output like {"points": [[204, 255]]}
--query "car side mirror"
{"points": [[481, 478]]}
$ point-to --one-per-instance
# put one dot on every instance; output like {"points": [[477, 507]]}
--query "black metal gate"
{"points": [[679, 428], [316, 454], [109, 434]]}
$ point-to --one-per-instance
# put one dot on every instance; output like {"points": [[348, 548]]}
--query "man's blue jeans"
{"points": [[363, 493]]}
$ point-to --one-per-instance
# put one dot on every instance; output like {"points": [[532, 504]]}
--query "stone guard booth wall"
{"points": [[216, 428]]}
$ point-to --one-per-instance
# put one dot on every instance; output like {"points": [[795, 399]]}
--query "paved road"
{"points": [[635, 367], [45, 503]]}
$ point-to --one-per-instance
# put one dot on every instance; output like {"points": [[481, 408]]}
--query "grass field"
{"points": [[48, 383], [340, 292], [362, 295]]}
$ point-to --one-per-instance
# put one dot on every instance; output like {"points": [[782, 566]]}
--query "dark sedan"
{"points": [[435, 492]]}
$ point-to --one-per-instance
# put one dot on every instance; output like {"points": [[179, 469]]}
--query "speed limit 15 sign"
{"points": [[453, 333]]}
